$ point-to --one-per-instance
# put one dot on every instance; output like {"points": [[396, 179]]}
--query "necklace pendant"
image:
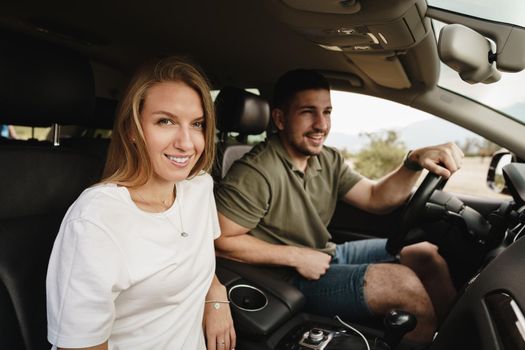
{"points": [[184, 234]]}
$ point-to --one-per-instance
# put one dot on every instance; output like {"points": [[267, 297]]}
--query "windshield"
{"points": [[507, 95], [508, 11]]}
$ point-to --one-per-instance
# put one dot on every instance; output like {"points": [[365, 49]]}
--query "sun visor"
{"points": [[384, 70], [371, 34], [373, 26]]}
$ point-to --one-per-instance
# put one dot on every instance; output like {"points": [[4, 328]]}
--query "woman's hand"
{"points": [[218, 322]]}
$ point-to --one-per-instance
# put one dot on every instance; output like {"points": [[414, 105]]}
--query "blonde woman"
{"points": [[133, 263]]}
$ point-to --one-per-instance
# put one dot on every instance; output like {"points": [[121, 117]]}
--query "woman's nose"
{"points": [[182, 138]]}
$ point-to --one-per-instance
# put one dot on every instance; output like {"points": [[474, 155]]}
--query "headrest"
{"points": [[241, 111], [42, 84], [104, 114]]}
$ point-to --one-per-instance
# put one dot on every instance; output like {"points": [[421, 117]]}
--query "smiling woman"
{"points": [[172, 123], [126, 256], [128, 125]]}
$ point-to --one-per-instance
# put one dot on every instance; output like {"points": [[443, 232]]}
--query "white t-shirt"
{"points": [[121, 274]]}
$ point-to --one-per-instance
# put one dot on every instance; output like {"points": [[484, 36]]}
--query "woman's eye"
{"points": [[165, 121], [198, 125]]}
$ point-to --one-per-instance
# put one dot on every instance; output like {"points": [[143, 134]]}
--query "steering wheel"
{"points": [[413, 211]]}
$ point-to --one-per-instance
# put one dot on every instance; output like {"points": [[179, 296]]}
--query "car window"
{"points": [[374, 135], [508, 11], [27, 132], [68, 131]]}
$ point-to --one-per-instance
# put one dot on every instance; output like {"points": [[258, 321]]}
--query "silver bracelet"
{"points": [[216, 303]]}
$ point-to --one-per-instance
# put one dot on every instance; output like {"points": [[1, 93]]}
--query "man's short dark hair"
{"points": [[295, 81]]}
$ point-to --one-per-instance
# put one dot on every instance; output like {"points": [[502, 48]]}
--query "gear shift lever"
{"points": [[397, 324]]}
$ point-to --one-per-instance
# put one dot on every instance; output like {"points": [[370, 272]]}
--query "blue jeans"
{"points": [[340, 291]]}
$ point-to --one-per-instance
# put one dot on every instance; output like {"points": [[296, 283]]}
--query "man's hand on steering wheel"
{"points": [[442, 160]]}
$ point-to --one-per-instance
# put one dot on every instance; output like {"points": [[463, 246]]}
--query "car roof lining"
{"points": [[118, 46], [141, 31]]}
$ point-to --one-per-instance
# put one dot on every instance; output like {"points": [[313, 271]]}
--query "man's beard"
{"points": [[305, 150]]}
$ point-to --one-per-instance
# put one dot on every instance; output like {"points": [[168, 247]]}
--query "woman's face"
{"points": [[172, 119]]}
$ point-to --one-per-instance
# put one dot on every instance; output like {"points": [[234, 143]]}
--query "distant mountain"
{"points": [[419, 134], [352, 143], [432, 132]]}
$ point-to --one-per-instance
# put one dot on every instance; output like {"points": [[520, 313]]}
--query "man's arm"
{"points": [[235, 243], [389, 192]]}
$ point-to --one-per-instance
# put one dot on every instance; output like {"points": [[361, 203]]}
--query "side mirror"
{"points": [[495, 179], [469, 53]]}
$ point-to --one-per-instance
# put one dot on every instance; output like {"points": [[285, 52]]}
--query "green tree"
{"points": [[346, 153], [478, 147], [381, 155], [487, 148], [470, 146]]}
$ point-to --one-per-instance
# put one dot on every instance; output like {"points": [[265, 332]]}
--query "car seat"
{"points": [[241, 112], [85, 138], [41, 85]]}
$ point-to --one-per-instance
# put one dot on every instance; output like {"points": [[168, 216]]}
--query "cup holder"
{"points": [[247, 298]]}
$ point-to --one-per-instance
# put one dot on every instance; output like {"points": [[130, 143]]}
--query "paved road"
{"points": [[471, 178]]}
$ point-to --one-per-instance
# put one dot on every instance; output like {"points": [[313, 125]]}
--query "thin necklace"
{"points": [[179, 211], [163, 213], [162, 201]]}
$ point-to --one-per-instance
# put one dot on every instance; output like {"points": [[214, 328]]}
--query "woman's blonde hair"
{"points": [[127, 161]]}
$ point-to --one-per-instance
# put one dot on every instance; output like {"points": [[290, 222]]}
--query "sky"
{"points": [[353, 113]]}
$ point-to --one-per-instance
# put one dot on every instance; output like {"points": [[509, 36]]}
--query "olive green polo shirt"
{"points": [[266, 193]]}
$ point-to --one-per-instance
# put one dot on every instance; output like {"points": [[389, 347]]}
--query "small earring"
{"points": [[133, 140]]}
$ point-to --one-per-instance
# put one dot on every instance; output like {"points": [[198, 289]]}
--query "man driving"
{"points": [[276, 202]]}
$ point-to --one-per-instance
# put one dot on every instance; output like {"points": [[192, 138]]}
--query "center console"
{"points": [[268, 315], [310, 332]]}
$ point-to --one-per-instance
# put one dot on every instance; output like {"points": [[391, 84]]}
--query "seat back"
{"points": [[41, 85], [241, 112], [103, 118]]}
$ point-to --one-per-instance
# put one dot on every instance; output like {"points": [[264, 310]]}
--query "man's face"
{"points": [[306, 123]]}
